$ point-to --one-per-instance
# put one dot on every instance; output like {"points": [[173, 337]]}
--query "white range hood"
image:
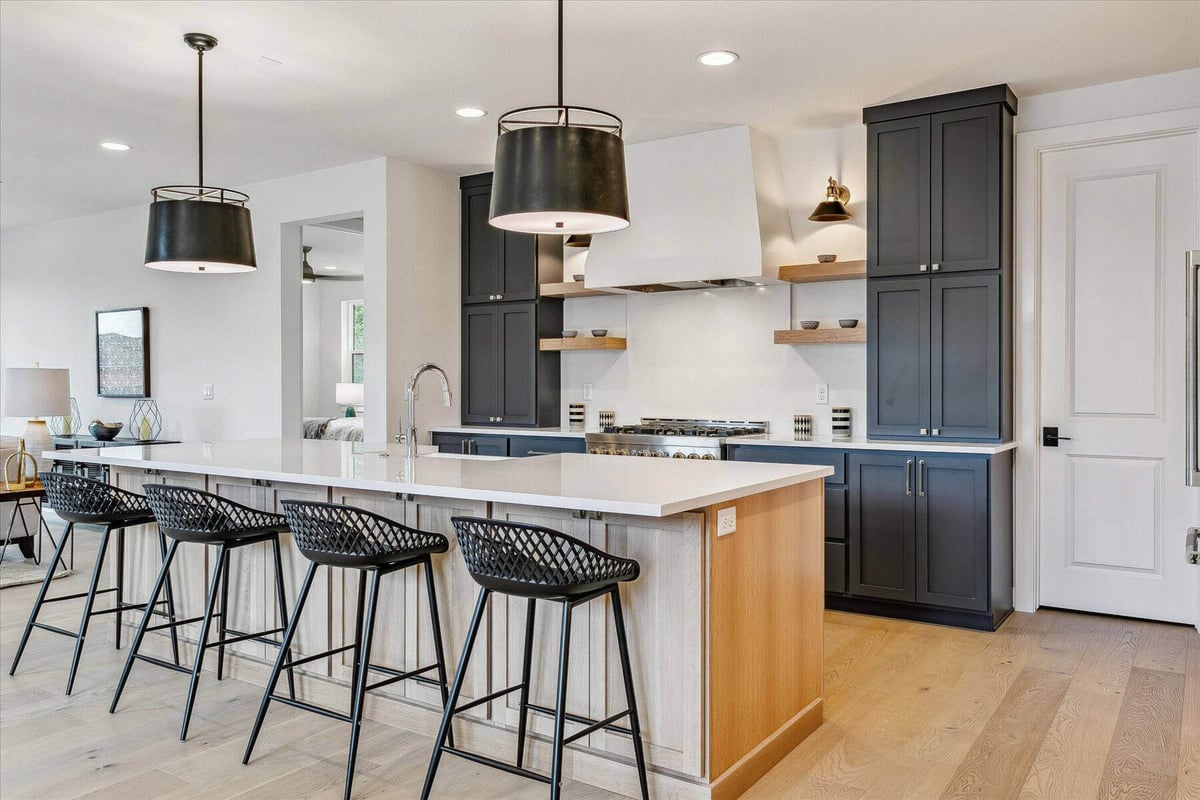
{"points": [[705, 210]]}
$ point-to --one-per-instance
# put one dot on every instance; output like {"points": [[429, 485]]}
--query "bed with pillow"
{"points": [[340, 429]]}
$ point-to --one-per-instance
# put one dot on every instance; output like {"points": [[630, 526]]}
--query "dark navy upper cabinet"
{"points": [[898, 357], [965, 189], [952, 531], [939, 266], [507, 379], [898, 197], [882, 526]]}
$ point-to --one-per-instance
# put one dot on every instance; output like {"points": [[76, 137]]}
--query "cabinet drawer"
{"points": [[835, 512], [835, 567], [819, 456], [521, 446], [471, 444]]}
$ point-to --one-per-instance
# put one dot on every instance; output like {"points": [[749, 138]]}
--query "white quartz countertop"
{"points": [[648, 487], [484, 430], [979, 448]]}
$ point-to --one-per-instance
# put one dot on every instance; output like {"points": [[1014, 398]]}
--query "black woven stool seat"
{"points": [[191, 515], [532, 561], [87, 501], [342, 536]]}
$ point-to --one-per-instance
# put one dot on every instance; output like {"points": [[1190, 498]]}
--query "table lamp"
{"points": [[36, 393], [348, 395]]}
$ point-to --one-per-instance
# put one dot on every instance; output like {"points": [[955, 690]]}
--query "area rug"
{"points": [[18, 571]]}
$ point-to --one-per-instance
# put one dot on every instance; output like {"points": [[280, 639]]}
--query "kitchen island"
{"points": [[725, 628]]}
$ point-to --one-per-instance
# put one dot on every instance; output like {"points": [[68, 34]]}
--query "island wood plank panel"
{"points": [[70, 748]]}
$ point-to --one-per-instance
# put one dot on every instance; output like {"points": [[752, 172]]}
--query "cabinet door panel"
{"points": [[882, 526], [482, 365], [482, 248], [952, 532], [520, 281], [965, 189], [522, 446], [518, 379], [898, 197], [965, 357], [835, 512], [898, 357], [835, 567]]}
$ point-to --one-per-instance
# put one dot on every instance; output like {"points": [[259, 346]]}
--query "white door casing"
{"points": [[1108, 214]]}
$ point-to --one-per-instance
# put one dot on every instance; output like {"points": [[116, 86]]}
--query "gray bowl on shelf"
{"points": [[599, 332], [105, 432], [848, 323], [810, 324], [578, 277], [828, 258], [570, 334]]}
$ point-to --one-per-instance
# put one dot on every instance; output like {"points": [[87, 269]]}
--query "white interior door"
{"points": [[1117, 216]]}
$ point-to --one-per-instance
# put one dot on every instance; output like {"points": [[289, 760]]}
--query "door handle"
{"points": [[921, 478], [1050, 437], [1192, 548], [908, 478]]}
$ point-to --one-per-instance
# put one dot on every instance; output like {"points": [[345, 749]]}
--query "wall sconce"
{"points": [[833, 207]]}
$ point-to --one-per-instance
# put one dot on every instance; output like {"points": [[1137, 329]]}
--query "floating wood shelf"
{"points": [[572, 289], [822, 336], [583, 343], [834, 271]]}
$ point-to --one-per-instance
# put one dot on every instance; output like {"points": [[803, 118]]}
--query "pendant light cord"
{"points": [[200, 116], [560, 52]]}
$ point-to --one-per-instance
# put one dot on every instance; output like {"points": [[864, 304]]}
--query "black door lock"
{"points": [[1050, 437]]}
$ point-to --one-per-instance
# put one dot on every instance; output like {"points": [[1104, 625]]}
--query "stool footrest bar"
{"points": [[397, 676], [54, 629], [596, 724], [607, 724], [480, 701], [325, 712], [245, 637], [491, 762], [309, 659], [77, 595], [161, 663]]}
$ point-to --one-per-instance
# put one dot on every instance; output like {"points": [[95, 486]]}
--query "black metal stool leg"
{"points": [[223, 625], [560, 710], [455, 691], [41, 596], [201, 644], [627, 672], [120, 583], [283, 614], [522, 724], [436, 624], [136, 644], [360, 685], [162, 548], [88, 603], [288, 636]]}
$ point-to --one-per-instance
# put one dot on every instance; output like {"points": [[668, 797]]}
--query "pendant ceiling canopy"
{"points": [[559, 168], [198, 228]]}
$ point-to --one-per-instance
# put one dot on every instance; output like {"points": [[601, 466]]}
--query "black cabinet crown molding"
{"points": [[987, 95]]}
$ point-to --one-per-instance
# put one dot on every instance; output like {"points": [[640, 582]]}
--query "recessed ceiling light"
{"points": [[717, 58], [118, 146], [471, 113]]}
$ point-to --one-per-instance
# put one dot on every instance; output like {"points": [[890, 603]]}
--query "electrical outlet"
{"points": [[207, 391], [726, 520], [587, 391], [822, 394]]}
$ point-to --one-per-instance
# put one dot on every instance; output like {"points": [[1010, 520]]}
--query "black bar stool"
{"points": [[342, 536], [190, 515], [85, 501], [539, 564]]}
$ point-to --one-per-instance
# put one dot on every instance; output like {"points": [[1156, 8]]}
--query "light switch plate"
{"points": [[207, 391], [822, 394], [587, 391], [726, 520]]}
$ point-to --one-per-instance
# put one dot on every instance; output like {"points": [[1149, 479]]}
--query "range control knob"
{"points": [[658, 454], [678, 455], [693, 455], [709, 457]]}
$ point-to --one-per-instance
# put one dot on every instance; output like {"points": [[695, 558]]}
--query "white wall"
{"points": [[240, 333], [711, 354]]}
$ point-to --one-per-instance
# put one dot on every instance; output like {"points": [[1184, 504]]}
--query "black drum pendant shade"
{"points": [[558, 179], [559, 168], [198, 228]]}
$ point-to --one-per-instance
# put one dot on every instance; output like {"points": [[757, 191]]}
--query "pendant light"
{"points": [[199, 228], [559, 169]]}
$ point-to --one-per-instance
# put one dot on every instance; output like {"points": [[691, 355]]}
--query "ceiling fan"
{"points": [[309, 275]]}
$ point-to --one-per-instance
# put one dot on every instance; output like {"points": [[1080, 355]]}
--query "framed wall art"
{"points": [[123, 352]]}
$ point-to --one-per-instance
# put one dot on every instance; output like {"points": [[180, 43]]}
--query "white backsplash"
{"points": [[711, 354]]}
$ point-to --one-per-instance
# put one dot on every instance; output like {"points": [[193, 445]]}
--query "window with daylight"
{"points": [[353, 339]]}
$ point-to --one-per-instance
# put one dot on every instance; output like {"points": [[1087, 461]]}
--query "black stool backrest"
{"points": [[528, 559], [331, 533], [79, 499], [192, 514]]}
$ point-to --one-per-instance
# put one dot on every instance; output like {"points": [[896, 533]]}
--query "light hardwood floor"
{"points": [[1055, 705]]}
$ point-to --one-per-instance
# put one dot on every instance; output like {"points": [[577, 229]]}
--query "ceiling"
{"points": [[334, 252], [351, 80]]}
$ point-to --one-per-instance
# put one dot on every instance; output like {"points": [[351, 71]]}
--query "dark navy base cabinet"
{"points": [[915, 535], [488, 444]]}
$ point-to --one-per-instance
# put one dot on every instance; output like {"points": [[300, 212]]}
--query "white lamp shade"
{"points": [[36, 392], [348, 394]]}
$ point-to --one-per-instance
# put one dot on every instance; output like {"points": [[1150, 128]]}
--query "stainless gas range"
{"points": [[671, 438]]}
